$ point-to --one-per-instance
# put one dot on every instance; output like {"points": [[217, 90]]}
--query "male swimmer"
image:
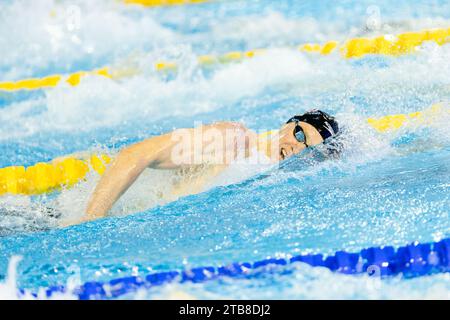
{"points": [[215, 146]]}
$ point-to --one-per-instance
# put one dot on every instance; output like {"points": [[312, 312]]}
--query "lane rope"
{"points": [[47, 177], [413, 260], [65, 172], [51, 81], [388, 45]]}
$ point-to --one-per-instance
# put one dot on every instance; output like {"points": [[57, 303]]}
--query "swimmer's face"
{"points": [[288, 143]]}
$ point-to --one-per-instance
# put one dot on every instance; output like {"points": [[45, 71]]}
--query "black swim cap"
{"points": [[322, 121]]}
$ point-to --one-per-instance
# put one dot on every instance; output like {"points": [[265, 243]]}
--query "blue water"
{"points": [[386, 189]]}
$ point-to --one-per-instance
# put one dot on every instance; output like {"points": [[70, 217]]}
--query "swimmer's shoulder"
{"points": [[227, 125]]}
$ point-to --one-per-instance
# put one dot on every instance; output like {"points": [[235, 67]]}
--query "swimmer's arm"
{"points": [[156, 152], [123, 171]]}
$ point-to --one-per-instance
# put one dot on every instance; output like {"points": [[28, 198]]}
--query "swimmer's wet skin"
{"points": [[302, 131]]}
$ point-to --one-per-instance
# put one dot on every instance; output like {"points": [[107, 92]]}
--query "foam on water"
{"points": [[98, 102], [69, 35], [306, 205], [305, 282], [10, 291], [63, 35]]}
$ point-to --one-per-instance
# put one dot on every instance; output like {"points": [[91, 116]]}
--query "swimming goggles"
{"points": [[299, 134]]}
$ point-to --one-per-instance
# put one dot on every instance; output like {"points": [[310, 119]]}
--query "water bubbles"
{"points": [[384, 189]]}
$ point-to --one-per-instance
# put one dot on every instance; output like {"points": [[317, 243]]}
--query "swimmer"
{"points": [[215, 146]]}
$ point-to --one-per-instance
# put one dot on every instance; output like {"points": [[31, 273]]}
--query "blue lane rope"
{"points": [[412, 260]]}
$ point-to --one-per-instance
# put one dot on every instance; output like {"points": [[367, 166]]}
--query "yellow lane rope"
{"points": [[51, 81], [67, 171], [396, 121], [401, 44], [46, 177], [157, 3], [388, 45]]}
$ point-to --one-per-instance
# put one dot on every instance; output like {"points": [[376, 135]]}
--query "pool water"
{"points": [[386, 188]]}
